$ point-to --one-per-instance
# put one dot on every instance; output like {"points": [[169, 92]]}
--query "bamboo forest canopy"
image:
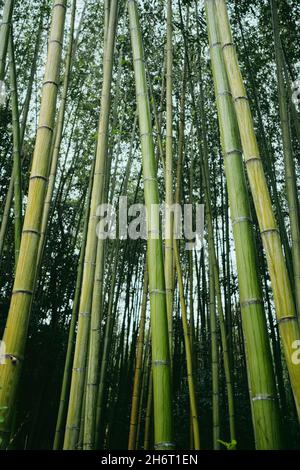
{"points": [[155, 341]]}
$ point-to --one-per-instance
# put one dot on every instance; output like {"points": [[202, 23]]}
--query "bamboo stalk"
{"points": [[81, 346], [258, 355], [16, 148], [65, 388], [188, 351], [214, 284], [4, 34], [149, 410], [10, 191], [138, 368], [159, 324], [290, 175], [169, 181], [17, 323], [284, 305], [58, 136]]}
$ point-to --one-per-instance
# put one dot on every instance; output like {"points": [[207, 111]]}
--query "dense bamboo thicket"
{"points": [[149, 225]]}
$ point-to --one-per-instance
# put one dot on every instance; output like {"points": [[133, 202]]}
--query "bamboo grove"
{"points": [[157, 341]]}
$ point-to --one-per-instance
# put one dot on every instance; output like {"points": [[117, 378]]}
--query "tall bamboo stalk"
{"points": [[158, 312], [81, 347], [149, 411], [258, 354], [58, 136], [138, 368], [188, 351], [214, 284], [290, 175], [10, 191], [169, 179], [284, 304], [17, 323], [65, 388], [16, 148], [4, 35]]}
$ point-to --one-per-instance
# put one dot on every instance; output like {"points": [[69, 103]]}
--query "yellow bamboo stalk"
{"points": [[18, 318], [283, 299]]}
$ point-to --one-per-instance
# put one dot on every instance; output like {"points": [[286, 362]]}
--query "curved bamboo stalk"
{"points": [[17, 323], [284, 305]]}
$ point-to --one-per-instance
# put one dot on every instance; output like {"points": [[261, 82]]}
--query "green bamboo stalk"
{"points": [[10, 191], [138, 368], [214, 285], [178, 189], [149, 410], [4, 35], [258, 354], [158, 312], [144, 382], [63, 401], [214, 351], [16, 148], [268, 163], [188, 350], [290, 175], [17, 323], [284, 305], [95, 407], [58, 137], [81, 347], [99, 403], [169, 181]]}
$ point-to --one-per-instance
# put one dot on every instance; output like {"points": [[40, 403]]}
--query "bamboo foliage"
{"points": [[159, 328], [17, 323], [283, 298]]}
